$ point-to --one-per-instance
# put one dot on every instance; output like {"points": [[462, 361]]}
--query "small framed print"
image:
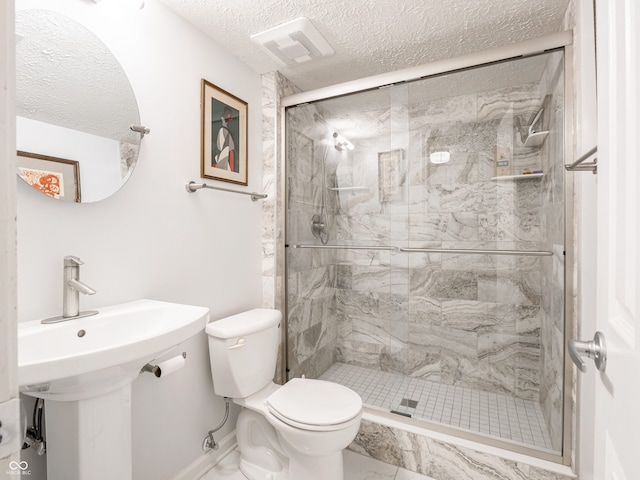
{"points": [[56, 177], [302, 169], [223, 144], [390, 175]]}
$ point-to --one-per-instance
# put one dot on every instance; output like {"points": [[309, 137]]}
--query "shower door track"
{"points": [[463, 251], [526, 48]]}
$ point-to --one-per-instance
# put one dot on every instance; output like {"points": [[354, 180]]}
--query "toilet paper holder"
{"points": [[156, 369]]}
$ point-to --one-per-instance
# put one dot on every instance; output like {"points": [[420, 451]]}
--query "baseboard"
{"points": [[208, 460]]}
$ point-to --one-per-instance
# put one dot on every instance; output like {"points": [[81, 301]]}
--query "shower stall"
{"points": [[426, 248]]}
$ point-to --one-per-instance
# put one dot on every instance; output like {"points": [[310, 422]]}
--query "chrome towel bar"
{"points": [[471, 251], [463, 251], [193, 187], [580, 166]]}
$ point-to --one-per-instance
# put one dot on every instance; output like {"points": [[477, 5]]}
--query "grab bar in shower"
{"points": [[580, 166], [464, 251], [473, 251], [349, 247]]}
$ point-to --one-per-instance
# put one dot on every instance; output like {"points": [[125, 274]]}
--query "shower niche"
{"points": [[435, 292]]}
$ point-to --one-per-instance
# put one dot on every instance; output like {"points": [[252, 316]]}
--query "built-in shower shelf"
{"points": [[518, 177], [348, 189]]}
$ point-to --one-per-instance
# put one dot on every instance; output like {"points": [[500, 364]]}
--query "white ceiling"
{"points": [[372, 36]]}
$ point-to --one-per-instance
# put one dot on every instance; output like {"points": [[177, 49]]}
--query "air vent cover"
{"points": [[293, 42]]}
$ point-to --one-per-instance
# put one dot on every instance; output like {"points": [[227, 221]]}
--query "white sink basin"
{"points": [[87, 357]]}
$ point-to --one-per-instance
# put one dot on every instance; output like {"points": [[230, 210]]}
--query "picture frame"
{"points": [[390, 176], [56, 177], [303, 169], [223, 144]]}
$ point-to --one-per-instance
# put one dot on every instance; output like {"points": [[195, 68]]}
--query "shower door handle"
{"points": [[595, 349]]}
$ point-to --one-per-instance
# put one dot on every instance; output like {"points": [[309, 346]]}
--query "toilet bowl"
{"points": [[296, 431]]}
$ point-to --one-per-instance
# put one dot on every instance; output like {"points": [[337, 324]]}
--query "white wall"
{"points": [[153, 239]]}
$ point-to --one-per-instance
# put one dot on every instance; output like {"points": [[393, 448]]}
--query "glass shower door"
{"points": [[425, 248]]}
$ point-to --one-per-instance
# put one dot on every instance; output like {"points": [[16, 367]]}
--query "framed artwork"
{"points": [[56, 177], [223, 135], [390, 175]]}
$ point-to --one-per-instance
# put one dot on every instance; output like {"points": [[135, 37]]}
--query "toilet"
{"points": [[295, 431]]}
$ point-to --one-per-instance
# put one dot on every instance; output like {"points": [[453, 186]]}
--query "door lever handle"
{"points": [[594, 349]]}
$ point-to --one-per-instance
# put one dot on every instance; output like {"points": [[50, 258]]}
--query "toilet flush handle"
{"points": [[238, 344]]}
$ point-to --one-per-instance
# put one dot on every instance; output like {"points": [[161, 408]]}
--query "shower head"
{"points": [[341, 143]]}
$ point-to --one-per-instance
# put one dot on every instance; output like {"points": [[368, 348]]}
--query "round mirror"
{"points": [[74, 108]]}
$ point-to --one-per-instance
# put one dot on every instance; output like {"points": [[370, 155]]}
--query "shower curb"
{"points": [[443, 460]]}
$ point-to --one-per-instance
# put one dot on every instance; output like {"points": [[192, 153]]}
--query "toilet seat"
{"points": [[315, 405]]}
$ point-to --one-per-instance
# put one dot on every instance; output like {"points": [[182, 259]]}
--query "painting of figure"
{"points": [[225, 154], [224, 136]]}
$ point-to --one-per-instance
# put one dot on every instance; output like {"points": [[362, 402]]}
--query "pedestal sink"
{"points": [[84, 367]]}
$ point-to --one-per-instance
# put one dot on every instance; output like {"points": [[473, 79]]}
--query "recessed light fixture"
{"points": [[439, 157]]}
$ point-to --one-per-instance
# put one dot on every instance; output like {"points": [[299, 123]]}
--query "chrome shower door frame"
{"points": [[556, 42]]}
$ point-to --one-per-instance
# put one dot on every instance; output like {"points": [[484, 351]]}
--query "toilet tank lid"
{"points": [[244, 323]]}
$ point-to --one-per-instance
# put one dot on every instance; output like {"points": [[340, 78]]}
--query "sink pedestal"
{"points": [[90, 438], [83, 369]]}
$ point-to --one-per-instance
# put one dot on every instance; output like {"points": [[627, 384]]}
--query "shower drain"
{"points": [[405, 405], [408, 403]]}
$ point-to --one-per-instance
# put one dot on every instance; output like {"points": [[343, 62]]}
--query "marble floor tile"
{"points": [[409, 475], [227, 469], [359, 467], [356, 467]]}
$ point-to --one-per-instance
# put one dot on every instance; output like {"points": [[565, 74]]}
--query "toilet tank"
{"points": [[243, 350]]}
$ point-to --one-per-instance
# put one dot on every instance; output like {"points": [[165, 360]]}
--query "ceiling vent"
{"points": [[293, 42]]}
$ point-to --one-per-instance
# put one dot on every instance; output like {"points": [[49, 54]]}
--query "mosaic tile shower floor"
{"points": [[490, 414]]}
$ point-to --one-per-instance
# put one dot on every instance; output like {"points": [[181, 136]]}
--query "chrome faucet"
{"points": [[72, 288]]}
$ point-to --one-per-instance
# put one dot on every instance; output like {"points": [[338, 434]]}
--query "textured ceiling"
{"points": [[372, 36], [66, 76]]}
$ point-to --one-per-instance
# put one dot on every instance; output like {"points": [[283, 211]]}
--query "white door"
{"points": [[9, 413], [617, 416]]}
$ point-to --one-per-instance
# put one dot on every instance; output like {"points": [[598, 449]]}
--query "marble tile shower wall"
{"points": [[274, 88], [473, 321], [311, 165]]}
